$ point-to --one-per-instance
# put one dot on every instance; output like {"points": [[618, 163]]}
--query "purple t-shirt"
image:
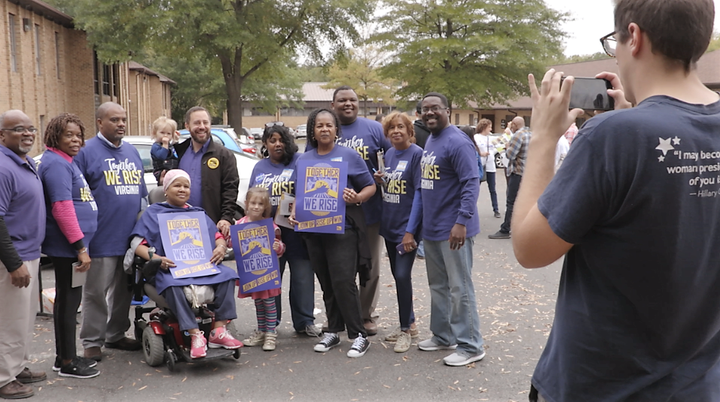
{"points": [[277, 178], [63, 181], [367, 138], [117, 182], [403, 170], [450, 184], [21, 203], [191, 163]]}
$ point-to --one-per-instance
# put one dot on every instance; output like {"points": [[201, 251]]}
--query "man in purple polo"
{"points": [[22, 229]]}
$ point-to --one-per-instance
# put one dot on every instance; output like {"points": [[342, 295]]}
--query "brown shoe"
{"points": [[370, 327], [27, 377], [124, 344], [16, 390], [93, 353]]}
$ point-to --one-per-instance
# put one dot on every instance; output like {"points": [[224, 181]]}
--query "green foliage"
{"points": [[578, 58], [470, 50], [252, 42], [360, 70], [714, 43]]}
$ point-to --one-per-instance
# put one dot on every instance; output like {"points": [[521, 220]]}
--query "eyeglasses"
{"points": [[609, 43], [22, 130], [433, 109], [274, 123]]}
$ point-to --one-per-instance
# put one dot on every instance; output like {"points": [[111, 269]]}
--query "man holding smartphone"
{"points": [[635, 208]]}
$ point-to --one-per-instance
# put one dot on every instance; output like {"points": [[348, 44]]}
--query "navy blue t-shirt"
{"points": [[116, 179], [403, 172], [63, 181], [276, 177], [450, 184], [637, 315], [367, 138]]}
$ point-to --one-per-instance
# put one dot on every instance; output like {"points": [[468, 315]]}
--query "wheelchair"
{"points": [[162, 339]]}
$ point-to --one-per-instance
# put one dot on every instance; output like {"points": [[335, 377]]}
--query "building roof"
{"points": [[47, 11], [135, 66], [708, 70], [314, 92]]}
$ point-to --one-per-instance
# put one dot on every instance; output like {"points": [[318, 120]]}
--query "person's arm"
{"points": [[230, 183], [534, 242], [514, 145], [465, 164]]}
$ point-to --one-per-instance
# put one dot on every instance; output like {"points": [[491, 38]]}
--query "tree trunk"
{"points": [[233, 88]]}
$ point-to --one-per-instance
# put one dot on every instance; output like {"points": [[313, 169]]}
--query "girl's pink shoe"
{"points": [[198, 345], [220, 338]]}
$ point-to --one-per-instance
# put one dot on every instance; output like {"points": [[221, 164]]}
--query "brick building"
{"points": [[48, 67]]}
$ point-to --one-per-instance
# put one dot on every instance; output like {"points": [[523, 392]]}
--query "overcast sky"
{"points": [[591, 21]]}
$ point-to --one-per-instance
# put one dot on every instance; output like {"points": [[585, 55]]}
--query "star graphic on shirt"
{"points": [[676, 140], [661, 158], [664, 146]]}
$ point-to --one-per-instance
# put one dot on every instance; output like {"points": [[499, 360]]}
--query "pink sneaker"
{"points": [[220, 338], [198, 345]]}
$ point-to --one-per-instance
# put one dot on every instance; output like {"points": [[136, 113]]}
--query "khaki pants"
{"points": [[18, 307]]}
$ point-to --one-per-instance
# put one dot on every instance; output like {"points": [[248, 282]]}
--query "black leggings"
{"points": [[67, 300]]}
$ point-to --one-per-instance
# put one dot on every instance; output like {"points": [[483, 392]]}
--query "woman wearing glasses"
{"points": [[274, 173]]}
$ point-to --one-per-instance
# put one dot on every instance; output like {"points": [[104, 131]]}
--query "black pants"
{"points": [[67, 300], [334, 259], [513, 185]]}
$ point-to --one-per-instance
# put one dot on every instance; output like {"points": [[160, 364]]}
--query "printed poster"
{"points": [[320, 207], [187, 243], [257, 263]]}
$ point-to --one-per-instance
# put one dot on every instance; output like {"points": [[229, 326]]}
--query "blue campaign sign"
{"points": [[187, 243], [319, 206], [257, 262]]}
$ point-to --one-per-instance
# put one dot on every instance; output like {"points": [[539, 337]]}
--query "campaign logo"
{"points": [[321, 189], [186, 240], [255, 249]]}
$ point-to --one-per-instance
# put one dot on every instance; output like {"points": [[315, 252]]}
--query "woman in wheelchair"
{"points": [[177, 190]]}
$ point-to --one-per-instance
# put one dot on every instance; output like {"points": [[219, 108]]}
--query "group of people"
{"points": [[636, 317]]}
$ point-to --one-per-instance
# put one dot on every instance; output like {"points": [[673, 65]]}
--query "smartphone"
{"points": [[591, 94], [400, 249]]}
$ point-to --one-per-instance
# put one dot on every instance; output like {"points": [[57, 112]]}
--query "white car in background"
{"points": [[245, 165]]}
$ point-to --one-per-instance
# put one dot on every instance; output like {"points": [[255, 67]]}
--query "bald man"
{"points": [[516, 153], [22, 229], [114, 172]]}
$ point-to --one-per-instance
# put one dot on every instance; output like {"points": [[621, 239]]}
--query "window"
{"points": [[38, 69], [457, 119], [95, 74], [13, 44], [106, 80], [57, 54], [115, 79]]}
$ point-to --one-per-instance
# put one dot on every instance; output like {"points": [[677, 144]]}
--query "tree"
{"points": [[252, 41], [470, 50], [359, 69], [578, 58], [714, 43]]}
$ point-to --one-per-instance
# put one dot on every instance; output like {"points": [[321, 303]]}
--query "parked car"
{"points": [[499, 141], [223, 137], [301, 131], [245, 164], [256, 133]]}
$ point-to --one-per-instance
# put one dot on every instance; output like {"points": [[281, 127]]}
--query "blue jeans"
{"points": [[491, 186], [401, 267], [454, 317], [421, 249], [302, 292]]}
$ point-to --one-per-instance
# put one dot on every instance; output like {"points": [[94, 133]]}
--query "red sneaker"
{"points": [[198, 345], [220, 338]]}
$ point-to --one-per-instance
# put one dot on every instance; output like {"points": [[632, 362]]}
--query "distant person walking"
{"points": [[487, 155]]}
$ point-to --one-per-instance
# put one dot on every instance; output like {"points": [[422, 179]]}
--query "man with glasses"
{"points": [[634, 209], [516, 153], [212, 168], [22, 229], [450, 186]]}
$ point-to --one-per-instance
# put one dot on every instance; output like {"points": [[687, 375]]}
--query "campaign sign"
{"points": [[187, 243], [319, 206], [257, 262]]}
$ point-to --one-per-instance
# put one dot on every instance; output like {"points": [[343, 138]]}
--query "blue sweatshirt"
{"points": [[403, 172], [450, 184], [116, 179]]}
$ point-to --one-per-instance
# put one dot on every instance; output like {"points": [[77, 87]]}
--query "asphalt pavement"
{"points": [[516, 309]]}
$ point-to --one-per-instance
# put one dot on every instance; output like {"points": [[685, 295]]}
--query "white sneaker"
{"points": [[257, 338], [458, 359], [403, 342], [429, 345], [359, 347]]}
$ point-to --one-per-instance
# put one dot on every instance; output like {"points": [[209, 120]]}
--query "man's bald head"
{"points": [[105, 108], [519, 122]]}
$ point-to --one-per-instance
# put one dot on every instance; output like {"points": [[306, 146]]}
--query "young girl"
{"points": [[163, 153], [258, 207]]}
